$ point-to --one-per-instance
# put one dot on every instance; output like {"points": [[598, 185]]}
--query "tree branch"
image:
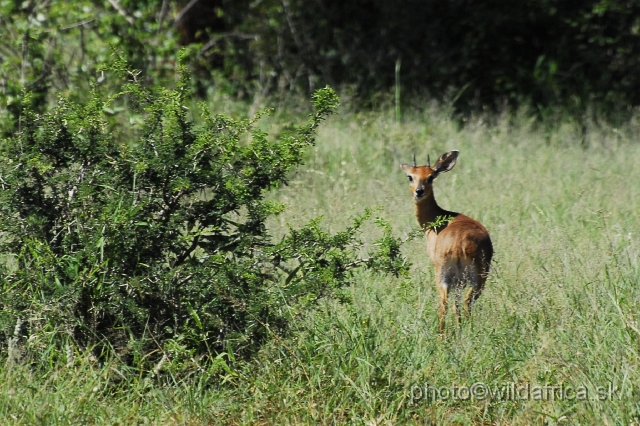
{"points": [[121, 11], [184, 11], [194, 244]]}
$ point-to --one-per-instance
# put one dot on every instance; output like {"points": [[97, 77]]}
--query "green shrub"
{"points": [[149, 239]]}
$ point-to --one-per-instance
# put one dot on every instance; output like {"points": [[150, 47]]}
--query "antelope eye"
{"points": [[410, 178]]}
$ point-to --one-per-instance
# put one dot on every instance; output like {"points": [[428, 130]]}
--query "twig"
{"points": [[163, 13], [121, 11], [194, 244], [25, 50], [298, 42], [77, 24], [8, 50], [217, 37], [25, 39], [184, 11], [159, 366], [292, 28], [357, 262]]}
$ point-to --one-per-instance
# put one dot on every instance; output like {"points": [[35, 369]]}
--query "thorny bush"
{"points": [[127, 226]]}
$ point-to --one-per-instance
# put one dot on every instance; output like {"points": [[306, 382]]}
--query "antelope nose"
{"points": [[419, 192]]}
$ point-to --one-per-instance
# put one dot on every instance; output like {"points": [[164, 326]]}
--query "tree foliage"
{"points": [[473, 53]]}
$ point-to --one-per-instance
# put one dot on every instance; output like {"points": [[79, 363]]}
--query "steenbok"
{"points": [[459, 247]]}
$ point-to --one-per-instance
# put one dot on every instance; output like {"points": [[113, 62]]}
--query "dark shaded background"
{"points": [[481, 52]]}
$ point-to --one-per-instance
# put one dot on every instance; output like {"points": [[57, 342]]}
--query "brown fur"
{"points": [[460, 250]]}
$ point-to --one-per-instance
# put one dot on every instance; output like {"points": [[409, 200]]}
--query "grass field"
{"points": [[554, 339]]}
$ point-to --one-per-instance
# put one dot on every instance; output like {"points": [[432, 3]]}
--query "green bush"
{"points": [[127, 225]]}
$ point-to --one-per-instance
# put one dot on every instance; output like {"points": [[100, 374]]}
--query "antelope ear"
{"points": [[405, 168], [446, 161]]}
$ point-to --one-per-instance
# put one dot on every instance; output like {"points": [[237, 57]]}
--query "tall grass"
{"points": [[559, 313]]}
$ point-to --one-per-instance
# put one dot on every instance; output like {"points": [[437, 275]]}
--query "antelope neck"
{"points": [[427, 210]]}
